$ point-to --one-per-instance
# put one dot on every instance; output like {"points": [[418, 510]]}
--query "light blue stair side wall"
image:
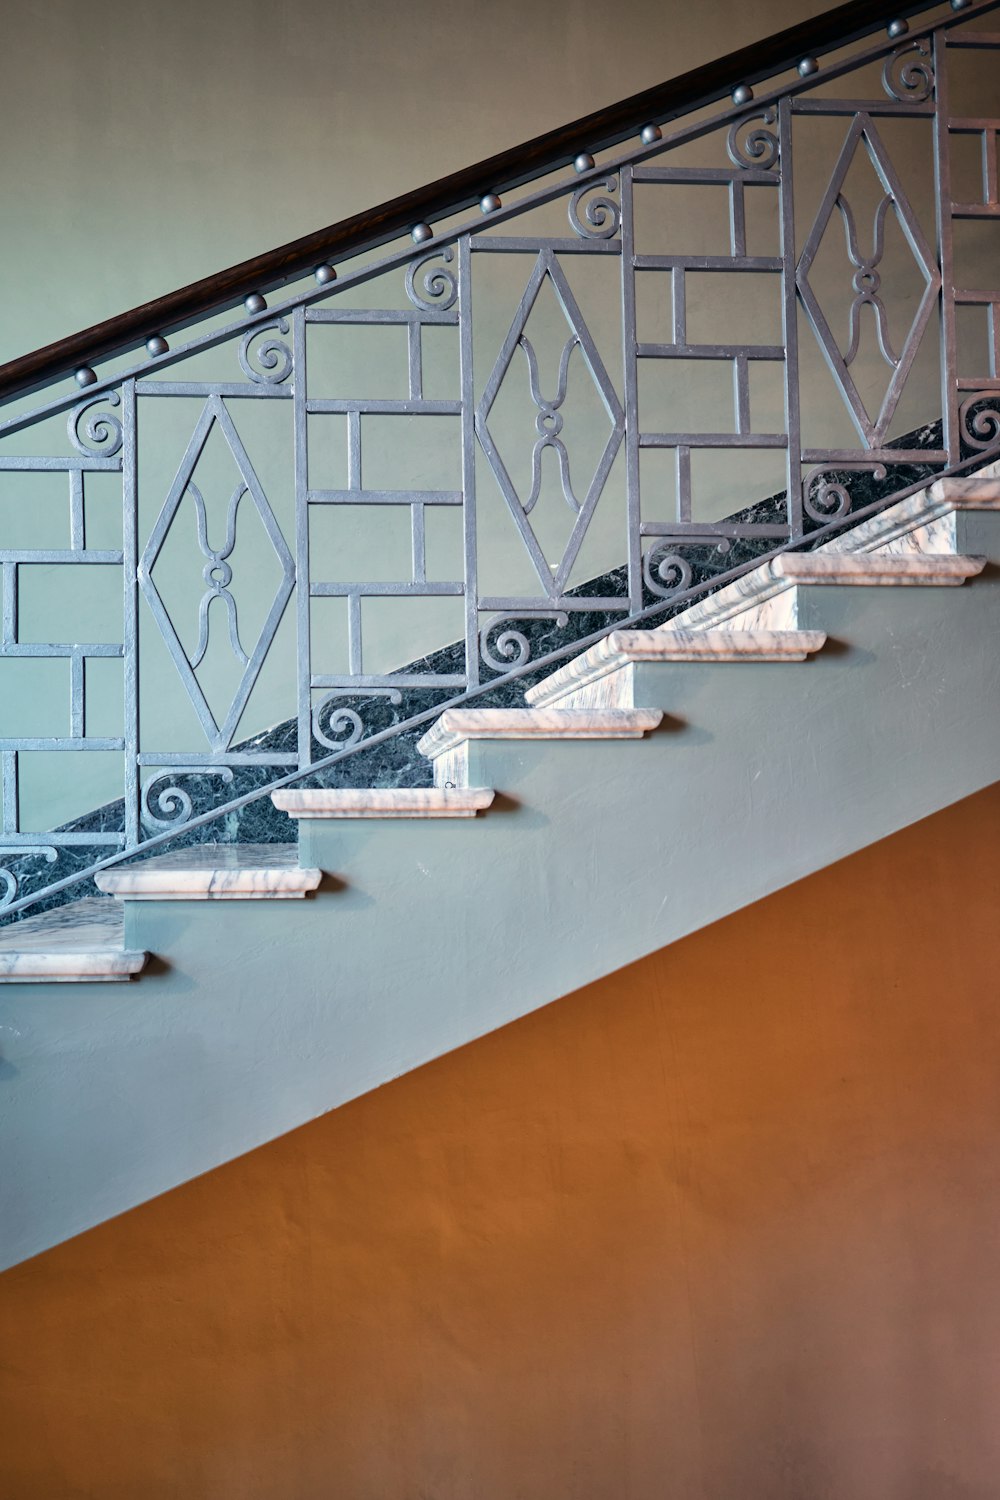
{"points": [[258, 1016]]}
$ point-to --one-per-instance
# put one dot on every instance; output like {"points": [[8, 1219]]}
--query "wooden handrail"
{"points": [[689, 91]]}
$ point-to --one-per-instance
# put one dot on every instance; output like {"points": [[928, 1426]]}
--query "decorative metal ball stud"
{"points": [[650, 133], [897, 28], [254, 303], [583, 162], [489, 203], [324, 273], [85, 376], [421, 233], [807, 67], [742, 94], [156, 345]]}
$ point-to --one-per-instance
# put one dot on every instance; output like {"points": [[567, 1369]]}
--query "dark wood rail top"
{"points": [[701, 86]]}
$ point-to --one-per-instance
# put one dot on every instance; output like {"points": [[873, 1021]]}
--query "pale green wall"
{"points": [[155, 144]]}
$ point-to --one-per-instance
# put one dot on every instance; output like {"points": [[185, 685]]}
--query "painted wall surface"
{"points": [[722, 1225], [177, 139], [255, 1017]]}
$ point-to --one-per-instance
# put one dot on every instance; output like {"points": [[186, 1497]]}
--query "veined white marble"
{"points": [[384, 802], [213, 872], [604, 667], [754, 601], [980, 492], [921, 524], [457, 725], [614, 687], [926, 520], [914, 527], [452, 768], [81, 942], [875, 568]]}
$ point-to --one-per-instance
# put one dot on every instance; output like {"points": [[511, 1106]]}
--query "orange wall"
{"points": [[725, 1225]]}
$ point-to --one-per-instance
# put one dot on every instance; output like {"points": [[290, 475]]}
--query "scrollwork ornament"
{"points": [[825, 496], [101, 436], [601, 215], [217, 573], [9, 882], [867, 280], [511, 648], [344, 721], [273, 357], [908, 74], [438, 282], [173, 801], [980, 429], [758, 149], [549, 423], [664, 570]]}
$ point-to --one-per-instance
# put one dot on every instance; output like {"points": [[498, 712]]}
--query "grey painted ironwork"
{"points": [[443, 289]]}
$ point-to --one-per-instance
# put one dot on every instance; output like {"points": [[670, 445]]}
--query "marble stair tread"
{"points": [[854, 568], [384, 802], [978, 492], [214, 872], [458, 725], [720, 645], [82, 941], [624, 648], [921, 524]]}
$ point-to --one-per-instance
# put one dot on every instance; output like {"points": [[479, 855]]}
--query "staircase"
{"points": [[537, 867], [593, 697]]}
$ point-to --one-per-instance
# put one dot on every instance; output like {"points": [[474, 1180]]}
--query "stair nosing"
{"points": [[383, 803], [621, 648], [203, 880], [873, 568], [457, 725], [27, 966]]}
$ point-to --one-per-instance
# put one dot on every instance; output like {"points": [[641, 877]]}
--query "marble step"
{"points": [[213, 872], [457, 726], [82, 942], [626, 648], [875, 568], [384, 802], [922, 525], [978, 492]]}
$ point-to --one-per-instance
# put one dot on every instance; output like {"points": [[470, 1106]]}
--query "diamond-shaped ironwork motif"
{"points": [[217, 573], [867, 279], [549, 422]]}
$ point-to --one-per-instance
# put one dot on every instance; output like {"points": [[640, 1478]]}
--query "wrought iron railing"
{"points": [[544, 402]]}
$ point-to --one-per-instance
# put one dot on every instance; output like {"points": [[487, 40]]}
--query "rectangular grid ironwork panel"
{"points": [[75, 653], [971, 417], [674, 268], [353, 411]]}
